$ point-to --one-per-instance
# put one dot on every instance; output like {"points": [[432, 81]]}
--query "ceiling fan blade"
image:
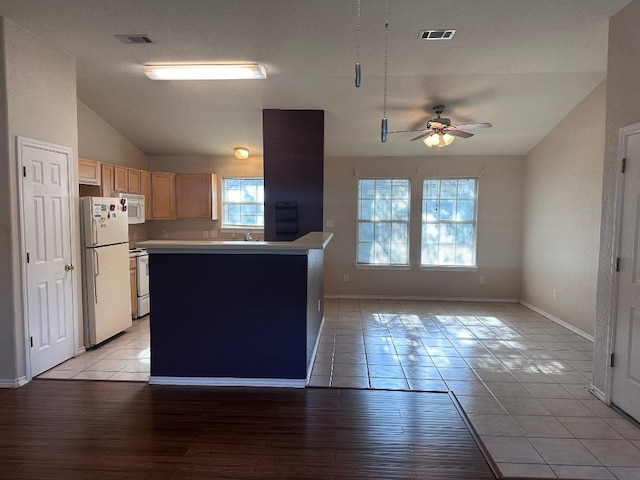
{"points": [[459, 133], [469, 126], [421, 136], [405, 131]]}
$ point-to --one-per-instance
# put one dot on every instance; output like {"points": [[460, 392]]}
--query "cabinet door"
{"points": [[135, 180], [163, 195], [88, 171], [197, 195], [133, 285], [120, 179], [145, 181], [106, 171]]}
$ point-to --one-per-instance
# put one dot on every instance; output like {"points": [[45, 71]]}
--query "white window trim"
{"points": [[449, 268], [378, 266]]}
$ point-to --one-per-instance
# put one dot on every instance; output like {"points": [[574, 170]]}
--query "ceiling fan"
{"points": [[440, 132]]}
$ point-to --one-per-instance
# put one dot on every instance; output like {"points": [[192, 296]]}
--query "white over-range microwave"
{"points": [[135, 207]]}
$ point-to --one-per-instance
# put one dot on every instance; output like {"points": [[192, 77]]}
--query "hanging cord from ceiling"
{"points": [[358, 70], [383, 131]]}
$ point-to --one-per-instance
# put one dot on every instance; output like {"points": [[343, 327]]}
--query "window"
{"points": [[242, 203], [449, 222], [383, 221]]}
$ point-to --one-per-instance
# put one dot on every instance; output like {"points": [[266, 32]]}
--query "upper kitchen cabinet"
{"points": [[145, 182], [88, 171], [120, 179], [197, 195], [163, 197], [134, 180], [106, 171]]}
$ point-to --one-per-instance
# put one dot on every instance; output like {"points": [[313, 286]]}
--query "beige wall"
{"points": [[221, 165], [623, 108], [39, 98], [98, 140], [498, 237], [562, 191]]}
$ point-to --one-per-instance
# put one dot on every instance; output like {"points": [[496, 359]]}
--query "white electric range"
{"points": [[142, 280]]}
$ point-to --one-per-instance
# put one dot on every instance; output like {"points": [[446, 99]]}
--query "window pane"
{"points": [[383, 216], [243, 202], [448, 221]]}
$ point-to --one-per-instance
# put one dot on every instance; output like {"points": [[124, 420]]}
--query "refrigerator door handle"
{"points": [[94, 232], [95, 275]]}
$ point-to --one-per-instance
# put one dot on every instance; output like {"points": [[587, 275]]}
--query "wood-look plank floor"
{"points": [[57, 429]]}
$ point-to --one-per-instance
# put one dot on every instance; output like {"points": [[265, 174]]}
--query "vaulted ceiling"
{"points": [[522, 65]]}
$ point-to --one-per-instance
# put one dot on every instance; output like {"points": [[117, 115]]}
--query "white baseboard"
{"points": [[315, 350], [229, 382], [423, 298], [17, 383], [562, 323], [596, 392]]}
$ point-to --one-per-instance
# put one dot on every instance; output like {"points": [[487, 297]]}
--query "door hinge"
{"points": [[31, 339], [624, 164], [24, 171], [28, 257], [612, 360], [618, 264]]}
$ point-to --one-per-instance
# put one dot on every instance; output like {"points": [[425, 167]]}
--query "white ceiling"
{"points": [[520, 64]]}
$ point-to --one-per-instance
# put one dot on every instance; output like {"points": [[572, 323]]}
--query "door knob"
{"points": [[68, 268]]}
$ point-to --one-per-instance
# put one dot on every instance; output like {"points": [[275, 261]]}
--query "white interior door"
{"points": [[626, 369], [50, 277]]}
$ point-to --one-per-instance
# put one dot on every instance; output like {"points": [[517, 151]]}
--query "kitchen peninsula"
{"points": [[234, 312]]}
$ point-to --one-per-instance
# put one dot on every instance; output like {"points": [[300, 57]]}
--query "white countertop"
{"points": [[310, 241]]}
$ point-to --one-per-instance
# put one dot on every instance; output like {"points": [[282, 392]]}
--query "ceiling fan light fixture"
{"points": [[448, 138], [432, 140], [245, 71]]}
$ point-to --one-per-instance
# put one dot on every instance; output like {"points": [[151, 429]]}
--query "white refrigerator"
{"points": [[106, 285]]}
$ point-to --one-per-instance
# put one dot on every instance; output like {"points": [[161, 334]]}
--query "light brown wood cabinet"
{"points": [[163, 196], [197, 195], [88, 171], [145, 181], [106, 185], [120, 179], [133, 281], [135, 180]]}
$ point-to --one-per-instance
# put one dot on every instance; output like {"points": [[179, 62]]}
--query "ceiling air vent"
{"points": [[436, 34], [134, 39]]}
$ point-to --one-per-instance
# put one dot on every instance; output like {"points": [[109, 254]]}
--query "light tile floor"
{"points": [[125, 357], [521, 379]]}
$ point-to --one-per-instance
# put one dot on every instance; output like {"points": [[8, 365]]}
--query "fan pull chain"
{"points": [[358, 70], [383, 132]]}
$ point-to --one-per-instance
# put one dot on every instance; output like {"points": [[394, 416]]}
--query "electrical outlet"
{"points": [[206, 234], [482, 279], [164, 234], [345, 277], [329, 223], [555, 294], [213, 234], [318, 305]]}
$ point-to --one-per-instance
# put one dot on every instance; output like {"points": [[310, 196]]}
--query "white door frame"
{"points": [[624, 134], [20, 143]]}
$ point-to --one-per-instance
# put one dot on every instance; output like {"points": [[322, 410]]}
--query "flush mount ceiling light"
{"points": [[245, 71], [241, 153]]}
